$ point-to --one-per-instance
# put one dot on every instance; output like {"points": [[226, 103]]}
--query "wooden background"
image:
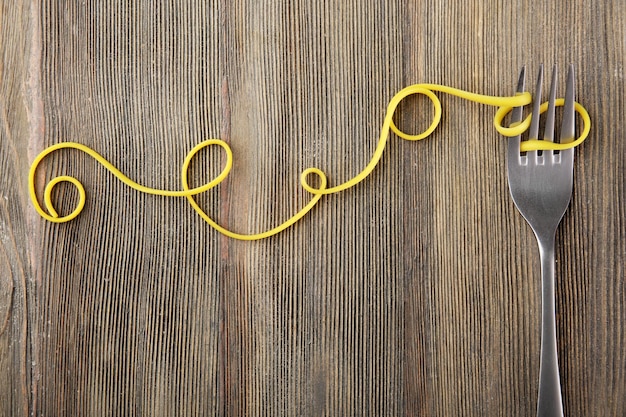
{"points": [[415, 293]]}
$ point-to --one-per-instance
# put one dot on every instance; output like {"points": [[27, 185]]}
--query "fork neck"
{"points": [[546, 240], [546, 251]]}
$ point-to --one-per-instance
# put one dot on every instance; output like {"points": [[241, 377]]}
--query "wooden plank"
{"points": [[18, 116], [414, 293]]}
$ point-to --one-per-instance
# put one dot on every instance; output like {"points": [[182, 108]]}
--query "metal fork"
{"points": [[541, 186]]}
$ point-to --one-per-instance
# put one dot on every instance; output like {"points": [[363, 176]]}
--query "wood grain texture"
{"points": [[414, 293]]}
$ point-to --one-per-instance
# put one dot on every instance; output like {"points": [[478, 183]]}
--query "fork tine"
{"points": [[534, 121], [568, 126], [548, 133], [518, 112], [513, 143]]}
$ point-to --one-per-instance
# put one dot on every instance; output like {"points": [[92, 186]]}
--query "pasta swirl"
{"points": [[504, 105]]}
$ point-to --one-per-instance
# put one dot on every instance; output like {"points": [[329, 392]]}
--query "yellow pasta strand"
{"points": [[504, 104]]}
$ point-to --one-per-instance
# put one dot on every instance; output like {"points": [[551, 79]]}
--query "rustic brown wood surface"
{"points": [[414, 293]]}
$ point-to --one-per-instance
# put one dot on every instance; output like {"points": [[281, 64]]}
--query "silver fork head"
{"points": [[541, 182]]}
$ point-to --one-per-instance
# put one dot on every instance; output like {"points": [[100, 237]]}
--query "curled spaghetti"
{"points": [[504, 105]]}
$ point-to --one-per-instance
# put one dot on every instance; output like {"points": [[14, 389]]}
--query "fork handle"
{"points": [[549, 403]]}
